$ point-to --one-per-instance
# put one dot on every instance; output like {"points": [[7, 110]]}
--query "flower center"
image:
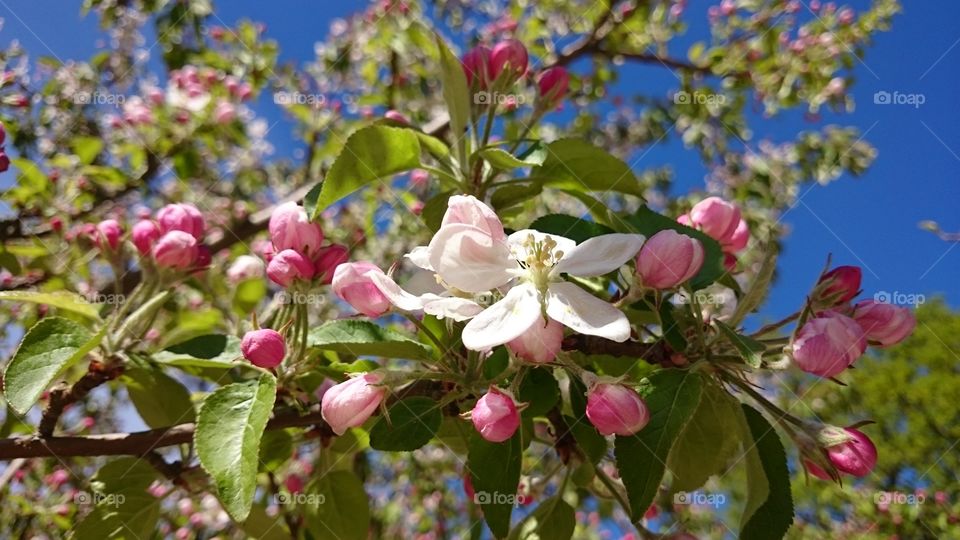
{"points": [[541, 257]]}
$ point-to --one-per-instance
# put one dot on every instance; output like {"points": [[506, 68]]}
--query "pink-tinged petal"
{"points": [[452, 307], [600, 255], [468, 210], [396, 295], [585, 313], [420, 256], [469, 259], [503, 321]]}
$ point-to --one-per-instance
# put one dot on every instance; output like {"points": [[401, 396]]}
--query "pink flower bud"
{"points": [[109, 232], [244, 268], [540, 343], [145, 234], [828, 344], [396, 117], [616, 409], [350, 403], [204, 257], [136, 111], [56, 224], [856, 457], [288, 266], [328, 259], [3, 134], [181, 217], [175, 249], [721, 221], [350, 282], [668, 259], [263, 348], [293, 483], [468, 210], [4, 161], [508, 59], [840, 285], [884, 323], [495, 416], [476, 66], [224, 112], [554, 84], [291, 228], [845, 16], [419, 177]]}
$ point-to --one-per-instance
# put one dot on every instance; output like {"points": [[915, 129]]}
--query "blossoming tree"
{"points": [[451, 280]]}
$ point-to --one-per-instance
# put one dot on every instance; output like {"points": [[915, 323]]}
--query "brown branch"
{"points": [[63, 396], [653, 353]]}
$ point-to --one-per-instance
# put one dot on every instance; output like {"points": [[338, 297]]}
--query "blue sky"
{"points": [[870, 221]]}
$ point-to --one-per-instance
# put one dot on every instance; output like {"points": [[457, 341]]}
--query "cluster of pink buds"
{"points": [[191, 88], [4, 159], [722, 221], [174, 239], [837, 334], [296, 253], [506, 63]]}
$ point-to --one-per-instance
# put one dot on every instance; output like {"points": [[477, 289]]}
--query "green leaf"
{"points": [[86, 148], [501, 159], [370, 153], [759, 287], [366, 338], [577, 165], [554, 519], [339, 509], [66, 301], [262, 526], [750, 349], [495, 473], [227, 439], [209, 351], [122, 506], [248, 294], [708, 441], [456, 94], [9, 261], [47, 350], [160, 399], [434, 209], [513, 194], [540, 391], [769, 509], [570, 227], [412, 423], [276, 448], [641, 457], [647, 222], [593, 444]]}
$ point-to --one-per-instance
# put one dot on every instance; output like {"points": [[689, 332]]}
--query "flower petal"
{"points": [[600, 255], [397, 296], [469, 259], [420, 256], [451, 307], [503, 321], [586, 313], [468, 210]]}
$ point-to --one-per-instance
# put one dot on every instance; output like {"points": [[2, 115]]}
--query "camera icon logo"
{"points": [[482, 497], [481, 98], [681, 98], [882, 98]]}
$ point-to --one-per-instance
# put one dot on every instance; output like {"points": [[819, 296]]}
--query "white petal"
{"points": [[397, 296], [420, 256], [518, 242], [600, 255], [452, 307], [469, 259], [586, 313], [503, 321]]}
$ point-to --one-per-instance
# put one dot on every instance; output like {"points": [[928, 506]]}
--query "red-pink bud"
{"points": [[495, 416], [328, 259], [294, 483], [828, 344], [419, 177], [508, 59], [554, 84], [856, 457], [288, 266], [4, 161], [3, 134], [224, 113], [668, 259], [204, 256], [351, 283], [56, 224], [721, 221], [350, 404], [175, 249], [109, 232], [540, 343], [883, 323], [291, 228], [145, 233], [616, 409], [181, 217], [476, 66], [841, 284], [396, 117], [263, 348]]}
